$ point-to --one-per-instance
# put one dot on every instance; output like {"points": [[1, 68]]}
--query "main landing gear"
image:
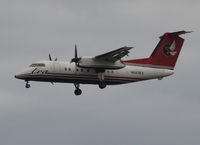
{"points": [[102, 83], [77, 91], [27, 85]]}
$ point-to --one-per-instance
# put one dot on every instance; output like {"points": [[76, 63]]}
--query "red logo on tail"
{"points": [[169, 50]]}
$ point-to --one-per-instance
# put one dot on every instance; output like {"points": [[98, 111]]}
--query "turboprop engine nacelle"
{"points": [[91, 62]]}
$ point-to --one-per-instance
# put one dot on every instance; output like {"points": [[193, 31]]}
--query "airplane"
{"points": [[109, 68]]}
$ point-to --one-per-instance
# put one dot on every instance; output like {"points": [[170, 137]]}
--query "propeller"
{"points": [[75, 59], [51, 58]]}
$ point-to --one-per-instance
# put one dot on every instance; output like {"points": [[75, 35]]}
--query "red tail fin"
{"points": [[166, 52]]}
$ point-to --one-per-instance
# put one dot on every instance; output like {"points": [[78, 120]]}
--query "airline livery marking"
{"points": [[108, 68]]}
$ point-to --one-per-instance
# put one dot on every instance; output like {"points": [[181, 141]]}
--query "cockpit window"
{"points": [[37, 65], [33, 65]]}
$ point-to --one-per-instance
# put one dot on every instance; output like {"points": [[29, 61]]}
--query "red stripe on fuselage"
{"points": [[81, 75]]}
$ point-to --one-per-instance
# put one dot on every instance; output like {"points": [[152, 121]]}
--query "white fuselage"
{"points": [[66, 72]]}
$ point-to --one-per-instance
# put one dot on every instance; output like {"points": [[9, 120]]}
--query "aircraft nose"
{"points": [[16, 76]]}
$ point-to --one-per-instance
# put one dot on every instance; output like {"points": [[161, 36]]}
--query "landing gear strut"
{"points": [[27, 85], [102, 83], [77, 91]]}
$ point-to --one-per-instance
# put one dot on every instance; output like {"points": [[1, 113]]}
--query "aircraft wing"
{"points": [[114, 55]]}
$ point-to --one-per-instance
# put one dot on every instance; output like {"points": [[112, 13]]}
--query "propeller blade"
{"points": [[75, 59], [76, 55], [50, 57]]}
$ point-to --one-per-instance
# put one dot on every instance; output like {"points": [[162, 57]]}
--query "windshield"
{"points": [[37, 65]]}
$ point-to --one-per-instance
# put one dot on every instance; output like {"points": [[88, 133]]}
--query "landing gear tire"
{"points": [[27, 85], [102, 84], [78, 92]]}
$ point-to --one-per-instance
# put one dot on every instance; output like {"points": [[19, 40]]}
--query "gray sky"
{"points": [[146, 113]]}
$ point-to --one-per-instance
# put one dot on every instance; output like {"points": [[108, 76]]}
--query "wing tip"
{"points": [[128, 47]]}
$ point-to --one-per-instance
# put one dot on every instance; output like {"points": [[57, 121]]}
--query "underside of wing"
{"points": [[114, 55]]}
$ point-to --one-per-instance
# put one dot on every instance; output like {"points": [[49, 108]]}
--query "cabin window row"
{"points": [[110, 71], [67, 69], [86, 70], [82, 70]]}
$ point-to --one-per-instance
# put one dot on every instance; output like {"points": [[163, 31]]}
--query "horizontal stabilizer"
{"points": [[176, 33]]}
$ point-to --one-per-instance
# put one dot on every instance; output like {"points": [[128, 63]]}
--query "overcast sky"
{"points": [[154, 112]]}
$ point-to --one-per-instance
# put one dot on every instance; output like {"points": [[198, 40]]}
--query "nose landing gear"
{"points": [[27, 85], [77, 91]]}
